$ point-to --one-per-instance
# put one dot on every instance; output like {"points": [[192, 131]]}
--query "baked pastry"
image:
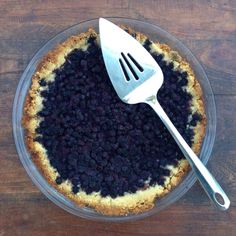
{"points": [[98, 151]]}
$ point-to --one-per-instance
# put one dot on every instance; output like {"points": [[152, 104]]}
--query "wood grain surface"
{"points": [[207, 27]]}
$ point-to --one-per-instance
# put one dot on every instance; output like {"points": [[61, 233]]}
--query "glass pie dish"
{"points": [[156, 34]]}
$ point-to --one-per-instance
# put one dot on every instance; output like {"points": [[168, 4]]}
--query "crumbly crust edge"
{"points": [[135, 203]]}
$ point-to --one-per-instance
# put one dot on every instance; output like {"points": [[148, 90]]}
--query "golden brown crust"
{"points": [[144, 199]]}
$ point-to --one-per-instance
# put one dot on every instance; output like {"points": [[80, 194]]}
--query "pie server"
{"points": [[136, 78]]}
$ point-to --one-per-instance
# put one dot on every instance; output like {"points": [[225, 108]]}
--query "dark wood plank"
{"points": [[206, 27]]}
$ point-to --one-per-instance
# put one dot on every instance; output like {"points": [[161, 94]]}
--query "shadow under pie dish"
{"points": [[22, 136]]}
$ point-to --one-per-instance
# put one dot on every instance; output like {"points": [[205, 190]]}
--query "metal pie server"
{"points": [[136, 78]]}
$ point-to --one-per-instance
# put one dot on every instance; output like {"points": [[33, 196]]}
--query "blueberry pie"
{"points": [[98, 151]]}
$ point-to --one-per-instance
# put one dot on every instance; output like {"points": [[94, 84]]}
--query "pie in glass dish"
{"points": [[98, 151]]}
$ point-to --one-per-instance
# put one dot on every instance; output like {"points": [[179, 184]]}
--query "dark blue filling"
{"points": [[100, 143]]}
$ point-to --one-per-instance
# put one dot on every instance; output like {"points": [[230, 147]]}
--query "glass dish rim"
{"points": [[58, 198]]}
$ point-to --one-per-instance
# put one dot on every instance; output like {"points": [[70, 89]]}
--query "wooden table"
{"points": [[207, 27]]}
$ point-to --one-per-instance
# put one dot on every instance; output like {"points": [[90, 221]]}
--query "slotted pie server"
{"points": [[136, 78]]}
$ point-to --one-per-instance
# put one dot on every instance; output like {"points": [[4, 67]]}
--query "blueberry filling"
{"points": [[100, 143]]}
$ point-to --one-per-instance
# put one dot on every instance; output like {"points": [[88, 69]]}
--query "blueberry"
{"points": [[144, 175], [42, 83], [170, 66], [196, 116], [133, 188], [64, 175], [91, 40], [161, 181], [75, 189], [96, 69], [166, 172], [75, 181], [109, 178], [39, 130], [158, 57], [88, 190], [184, 75], [183, 82], [44, 113], [83, 63], [163, 162], [147, 44], [140, 184], [38, 139], [59, 180], [193, 122], [104, 192], [44, 93], [162, 64]]}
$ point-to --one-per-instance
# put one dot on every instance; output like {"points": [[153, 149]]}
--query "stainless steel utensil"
{"points": [[136, 78]]}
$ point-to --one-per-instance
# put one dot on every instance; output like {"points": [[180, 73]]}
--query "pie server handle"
{"points": [[208, 182]]}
